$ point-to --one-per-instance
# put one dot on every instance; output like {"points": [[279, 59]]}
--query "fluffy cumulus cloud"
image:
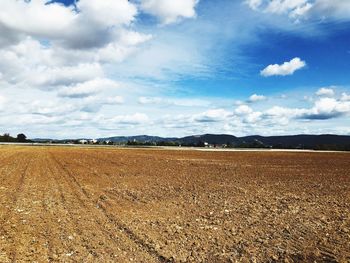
{"points": [[246, 114], [34, 18], [327, 92], [327, 108], [287, 68], [256, 98], [169, 11], [35, 35], [73, 27], [247, 119], [345, 97], [108, 12], [52, 44], [323, 109], [243, 110]]}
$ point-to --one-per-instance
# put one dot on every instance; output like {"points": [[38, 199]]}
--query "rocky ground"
{"points": [[125, 205]]}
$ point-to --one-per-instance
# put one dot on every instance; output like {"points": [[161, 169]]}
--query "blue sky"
{"points": [[168, 68]]}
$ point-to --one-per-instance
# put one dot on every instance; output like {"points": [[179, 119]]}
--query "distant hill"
{"points": [[322, 142], [210, 138], [139, 138], [327, 141], [301, 141]]}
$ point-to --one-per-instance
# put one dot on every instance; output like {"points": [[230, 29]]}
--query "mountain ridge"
{"points": [[300, 141]]}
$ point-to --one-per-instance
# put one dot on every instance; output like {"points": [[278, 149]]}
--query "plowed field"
{"points": [[125, 205]]}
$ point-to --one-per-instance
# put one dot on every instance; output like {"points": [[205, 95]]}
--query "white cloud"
{"points": [[254, 4], [243, 110], [327, 108], [327, 92], [150, 100], [114, 100], [170, 11], [345, 97], [3, 101], [134, 119], [88, 88], [57, 76], [93, 103], [96, 23], [31, 63], [48, 108], [256, 98], [278, 112], [300, 11], [35, 17], [213, 115], [335, 9], [108, 12], [323, 109], [247, 115], [126, 45], [292, 7], [287, 68], [183, 102], [304, 9], [253, 117]]}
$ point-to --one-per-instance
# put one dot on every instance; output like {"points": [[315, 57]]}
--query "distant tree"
{"points": [[21, 137], [167, 143], [7, 137], [200, 144]]}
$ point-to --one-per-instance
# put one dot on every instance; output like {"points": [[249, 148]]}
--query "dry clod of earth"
{"points": [[62, 204]]}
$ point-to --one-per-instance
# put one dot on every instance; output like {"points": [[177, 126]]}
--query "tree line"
{"points": [[6, 137], [254, 144]]}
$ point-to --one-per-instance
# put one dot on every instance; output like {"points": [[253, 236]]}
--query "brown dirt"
{"points": [[115, 205]]}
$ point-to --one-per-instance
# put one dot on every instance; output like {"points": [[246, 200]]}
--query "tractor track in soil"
{"points": [[84, 198]]}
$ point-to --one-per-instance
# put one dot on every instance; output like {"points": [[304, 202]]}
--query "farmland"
{"points": [[60, 204]]}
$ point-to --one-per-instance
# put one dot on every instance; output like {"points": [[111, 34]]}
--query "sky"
{"points": [[92, 68]]}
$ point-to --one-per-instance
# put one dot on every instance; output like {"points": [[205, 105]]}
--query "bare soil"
{"points": [[118, 205]]}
